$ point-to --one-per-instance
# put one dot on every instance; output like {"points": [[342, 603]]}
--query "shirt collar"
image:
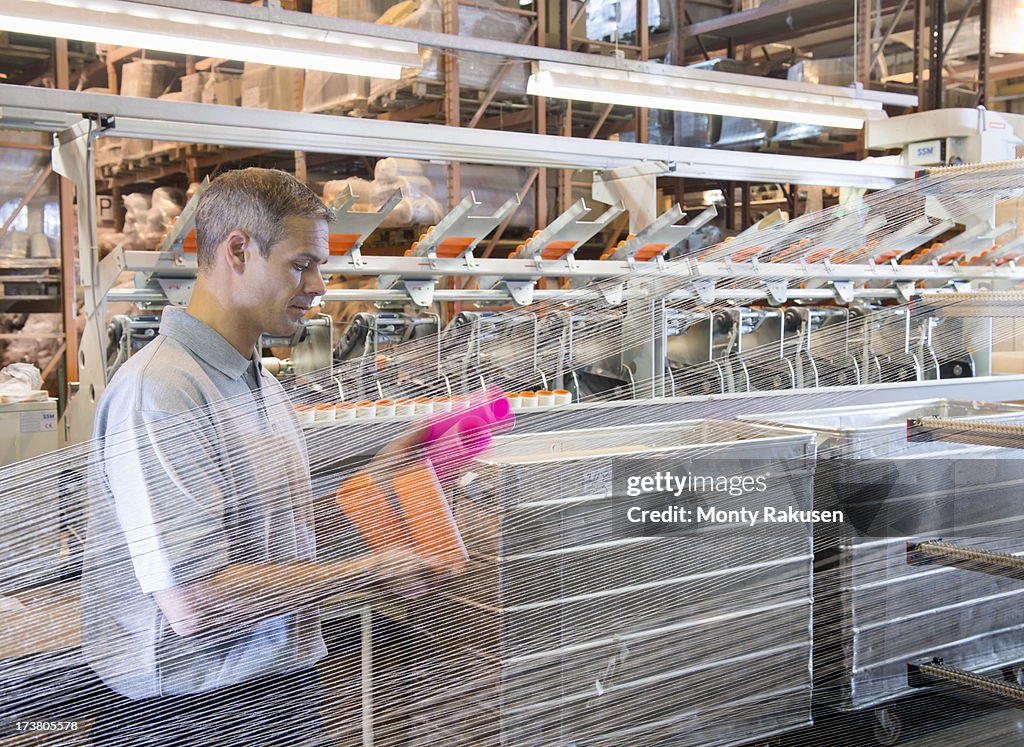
{"points": [[206, 343]]}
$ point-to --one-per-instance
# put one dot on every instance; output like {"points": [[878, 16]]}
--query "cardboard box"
{"points": [[223, 89], [146, 78], [192, 86], [356, 10], [1007, 362], [1010, 209], [270, 87]]}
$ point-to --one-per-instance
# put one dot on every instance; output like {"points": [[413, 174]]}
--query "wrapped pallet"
{"points": [[483, 21], [875, 611], [330, 91], [136, 211], [271, 87], [568, 629], [333, 92]]}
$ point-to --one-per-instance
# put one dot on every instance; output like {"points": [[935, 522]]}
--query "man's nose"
{"points": [[315, 285]]}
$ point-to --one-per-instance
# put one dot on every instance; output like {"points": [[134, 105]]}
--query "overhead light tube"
{"points": [[703, 95], [209, 34]]}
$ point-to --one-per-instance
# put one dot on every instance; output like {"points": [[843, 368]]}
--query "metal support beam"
{"points": [[880, 51], [935, 52], [677, 48], [729, 192], [495, 85], [540, 203], [565, 175], [66, 206], [643, 41], [920, 37], [164, 265], [956, 29], [862, 42], [33, 189], [235, 127], [984, 51], [451, 99]]}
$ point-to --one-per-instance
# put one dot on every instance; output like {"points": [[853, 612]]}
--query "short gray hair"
{"points": [[256, 201]]}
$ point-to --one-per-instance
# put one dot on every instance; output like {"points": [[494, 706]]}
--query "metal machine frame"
{"points": [[615, 280]]}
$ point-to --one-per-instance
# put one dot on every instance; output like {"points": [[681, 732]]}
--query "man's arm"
{"points": [[240, 594], [169, 496]]}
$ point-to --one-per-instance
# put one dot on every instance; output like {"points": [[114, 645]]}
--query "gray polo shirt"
{"points": [[195, 468]]}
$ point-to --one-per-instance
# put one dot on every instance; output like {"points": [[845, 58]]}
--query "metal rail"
{"points": [[937, 674], [990, 304], [152, 119], [840, 283], [924, 430], [966, 558]]}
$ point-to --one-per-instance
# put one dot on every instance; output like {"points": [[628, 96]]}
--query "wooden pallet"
{"points": [[163, 155], [402, 94]]}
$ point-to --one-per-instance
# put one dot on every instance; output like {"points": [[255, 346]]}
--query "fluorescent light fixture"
{"points": [[705, 92], [168, 29]]}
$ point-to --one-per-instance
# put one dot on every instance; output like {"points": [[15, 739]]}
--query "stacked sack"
{"points": [[424, 188], [361, 188], [164, 209], [37, 343], [147, 218], [136, 218], [420, 183]]}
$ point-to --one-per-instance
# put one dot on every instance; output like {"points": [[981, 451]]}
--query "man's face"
{"points": [[282, 288]]}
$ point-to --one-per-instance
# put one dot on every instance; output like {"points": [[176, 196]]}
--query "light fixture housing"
{"points": [[209, 34], [706, 92]]}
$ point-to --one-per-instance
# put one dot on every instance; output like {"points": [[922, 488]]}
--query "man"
{"points": [[200, 582]]}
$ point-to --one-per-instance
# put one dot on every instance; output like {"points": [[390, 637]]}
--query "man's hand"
{"points": [[410, 575]]}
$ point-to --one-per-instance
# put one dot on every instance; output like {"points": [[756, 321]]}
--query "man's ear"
{"points": [[236, 247]]}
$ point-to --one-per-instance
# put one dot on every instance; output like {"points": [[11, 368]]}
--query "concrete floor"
{"points": [[992, 727], [931, 720]]}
